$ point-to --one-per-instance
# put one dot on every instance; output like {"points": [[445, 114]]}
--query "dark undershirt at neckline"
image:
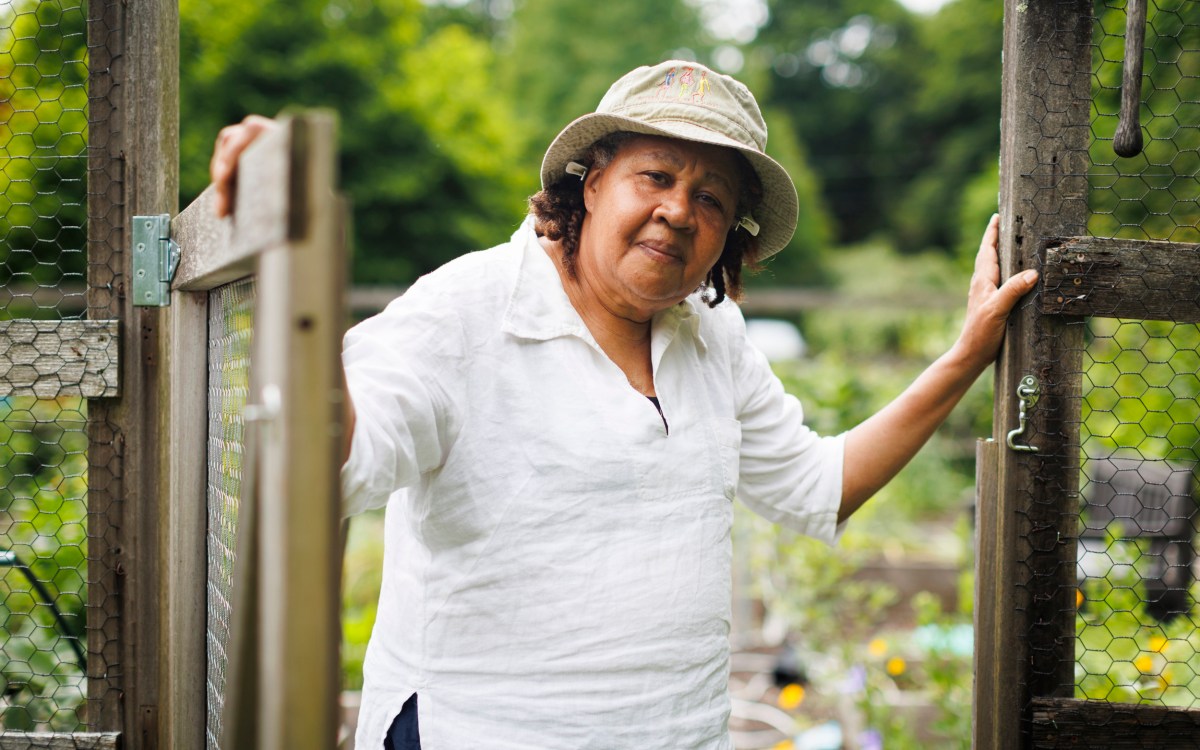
{"points": [[654, 400]]}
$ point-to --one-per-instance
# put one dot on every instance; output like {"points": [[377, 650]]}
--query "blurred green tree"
{"points": [[899, 111], [428, 139], [564, 55]]}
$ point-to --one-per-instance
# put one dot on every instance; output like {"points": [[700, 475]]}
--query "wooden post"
{"points": [[1027, 588], [132, 169], [297, 339]]}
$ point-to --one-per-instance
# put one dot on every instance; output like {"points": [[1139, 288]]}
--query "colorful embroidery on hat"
{"points": [[685, 82], [665, 87], [702, 87]]}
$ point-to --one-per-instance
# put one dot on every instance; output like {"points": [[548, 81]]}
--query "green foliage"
{"points": [[1141, 389], [43, 131], [361, 580], [1123, 655], [565, 55], [1152, 195], [42, 488], [803, 261], [428, 140], [899, 111]]}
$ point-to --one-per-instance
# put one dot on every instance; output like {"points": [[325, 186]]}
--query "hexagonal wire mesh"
{"points": [[45, 605], [1137, 616]]}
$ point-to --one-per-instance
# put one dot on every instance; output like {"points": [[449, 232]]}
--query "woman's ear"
{"points": [[590, 187]]}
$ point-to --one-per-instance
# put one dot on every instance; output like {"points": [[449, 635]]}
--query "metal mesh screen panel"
{"points": [[230, 323], [1115, 475], [43, 158], [1136, 622], [48, 608], [1150, 196], [43, 562]]}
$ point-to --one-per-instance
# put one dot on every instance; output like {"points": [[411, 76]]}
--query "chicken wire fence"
{"points": [[1129, 437], [58, 463], [230, 328]]}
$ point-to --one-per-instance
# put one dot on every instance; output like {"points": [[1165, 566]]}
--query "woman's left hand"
{"points": [[989, 303]]}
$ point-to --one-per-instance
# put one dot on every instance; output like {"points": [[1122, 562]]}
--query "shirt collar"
{"points": [[539, 308]]}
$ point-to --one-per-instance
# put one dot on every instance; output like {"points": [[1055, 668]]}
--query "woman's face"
{"points": [[656, 222]]}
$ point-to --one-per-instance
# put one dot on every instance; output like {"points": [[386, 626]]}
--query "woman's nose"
{"points": [[675, 208]]}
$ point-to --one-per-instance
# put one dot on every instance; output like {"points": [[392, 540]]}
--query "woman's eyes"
{"points": [[662, 178]]}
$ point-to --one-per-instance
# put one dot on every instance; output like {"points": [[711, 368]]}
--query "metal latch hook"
{"points": [[1028, 391]]}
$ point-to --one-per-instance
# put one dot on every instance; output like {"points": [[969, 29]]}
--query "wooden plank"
{"points": [[1043, 192], [152, 187], [997, 677], [187, 522], [297, 336], [1069, 723], [215, 252], [269, 210], [61, 741], [206, 253], [107, 420], [52, 358], [1139, 280], [133, 169]]}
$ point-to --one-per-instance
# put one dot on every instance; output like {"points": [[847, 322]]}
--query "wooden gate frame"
{"points": [[288, 232], [145, 376], [1028, 502]]}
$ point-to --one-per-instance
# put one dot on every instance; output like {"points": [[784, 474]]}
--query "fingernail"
{"points": [[1029, 276]]}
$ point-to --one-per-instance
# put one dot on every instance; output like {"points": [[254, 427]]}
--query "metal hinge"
{"points": [[155, 258]]}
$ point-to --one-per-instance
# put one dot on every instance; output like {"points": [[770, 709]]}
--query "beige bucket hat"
{"points": [[680, 99]]}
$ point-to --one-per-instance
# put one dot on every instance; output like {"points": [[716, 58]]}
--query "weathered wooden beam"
{"points": [[1028, 647], [1070, 723], [1137, 279], [61, 741], [206, 257], [133, 149], [51, 358], [298, 327], [215, 252]]}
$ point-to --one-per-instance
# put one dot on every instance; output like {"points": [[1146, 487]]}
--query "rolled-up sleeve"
{"points": [[788, 473], [402, 371]]}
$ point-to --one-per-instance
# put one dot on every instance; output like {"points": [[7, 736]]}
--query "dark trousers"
{"points": [[403, 734]]}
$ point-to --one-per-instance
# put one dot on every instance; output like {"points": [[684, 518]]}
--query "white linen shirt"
{"points": [[557, 563]]}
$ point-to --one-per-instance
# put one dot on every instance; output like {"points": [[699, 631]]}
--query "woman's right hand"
{"points": [[231, 142]]}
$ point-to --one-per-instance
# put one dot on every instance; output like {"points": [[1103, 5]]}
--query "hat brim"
{"points": [[776, 214]]}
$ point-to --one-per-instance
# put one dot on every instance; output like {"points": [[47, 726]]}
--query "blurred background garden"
{"points": [[887, 115]]}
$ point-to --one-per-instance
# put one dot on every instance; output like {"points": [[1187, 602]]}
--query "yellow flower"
{"points": [[896, 666], [1078, 598], [791, 696], [877, 647], [1144, 663], [785, 745], [1157, 644]]}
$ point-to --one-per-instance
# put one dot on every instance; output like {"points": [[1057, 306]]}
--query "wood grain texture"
{"points": [[1028, 648], [52, 358], [1063, 723], [61, 741], [1140, 280], [1127, 141], [297, 344]]}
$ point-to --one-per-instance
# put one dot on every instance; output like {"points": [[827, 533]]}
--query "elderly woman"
{"points": [[559, 425]]}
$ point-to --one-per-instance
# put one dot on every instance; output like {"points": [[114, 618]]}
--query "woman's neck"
{"points": [[623, 336]]}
